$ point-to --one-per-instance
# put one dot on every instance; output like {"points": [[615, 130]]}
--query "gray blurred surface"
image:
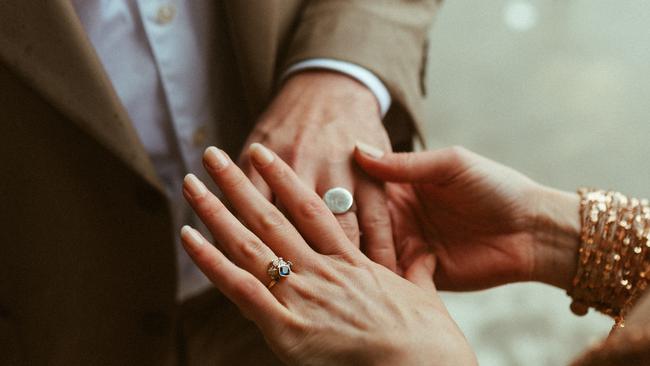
{"points": [[559, 90]]}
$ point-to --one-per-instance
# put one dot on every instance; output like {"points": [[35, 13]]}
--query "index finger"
{"points": [[375, 223], [434, 166], [240, 286], [314, 220]]}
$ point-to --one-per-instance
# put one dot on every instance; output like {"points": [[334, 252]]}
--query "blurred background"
{"points": [[559, 90]]}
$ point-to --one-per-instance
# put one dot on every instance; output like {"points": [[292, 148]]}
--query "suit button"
{"points": [[148, 199], [155, 323]]}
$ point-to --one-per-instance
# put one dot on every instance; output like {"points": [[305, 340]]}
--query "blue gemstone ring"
{"points": [[278, 268]]}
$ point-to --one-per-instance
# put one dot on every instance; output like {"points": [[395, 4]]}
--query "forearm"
{"points": [[556, 234]]}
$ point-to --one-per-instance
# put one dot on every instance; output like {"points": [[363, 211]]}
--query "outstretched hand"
{"points": [[337, 306], [487, 224]]}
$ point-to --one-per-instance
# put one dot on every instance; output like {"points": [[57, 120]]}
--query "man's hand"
{"points": [[313, 124], [487, 224]]}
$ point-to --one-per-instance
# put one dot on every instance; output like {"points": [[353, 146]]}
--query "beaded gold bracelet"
{"points": [[613, 259]]}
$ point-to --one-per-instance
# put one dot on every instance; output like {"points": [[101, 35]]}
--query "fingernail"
{"points": [[370, 150], [260, 154], [191, 236], [215, 158], [194, 186]]}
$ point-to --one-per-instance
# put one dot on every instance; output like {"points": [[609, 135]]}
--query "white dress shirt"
{"points": [[157, 54]]}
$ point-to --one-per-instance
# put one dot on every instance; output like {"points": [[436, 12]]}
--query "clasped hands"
{"points": [[457, 222]]}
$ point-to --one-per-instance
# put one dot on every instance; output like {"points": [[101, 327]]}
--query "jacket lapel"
{"points": [[257, 29], [44, 42]]}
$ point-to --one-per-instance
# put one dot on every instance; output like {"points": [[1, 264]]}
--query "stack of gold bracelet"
{"points": [[614, 255]]}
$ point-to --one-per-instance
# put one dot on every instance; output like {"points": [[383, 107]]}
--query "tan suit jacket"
{"points": [[87, 263]]}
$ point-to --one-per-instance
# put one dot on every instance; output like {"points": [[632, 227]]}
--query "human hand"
{"points": [[313, 124], [487, 224], [337, 307]]}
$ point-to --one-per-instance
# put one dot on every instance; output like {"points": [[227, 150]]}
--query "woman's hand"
{"points": [[487, 224], [337, 307]]}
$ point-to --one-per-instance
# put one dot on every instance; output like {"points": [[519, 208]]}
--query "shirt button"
{"points": [[165, 14], [200, 136]]}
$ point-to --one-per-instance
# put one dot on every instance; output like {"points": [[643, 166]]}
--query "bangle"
{"points": [[631, 347], [613, 259]]}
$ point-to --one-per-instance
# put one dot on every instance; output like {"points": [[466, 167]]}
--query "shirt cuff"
{"points": [[360, 74]]}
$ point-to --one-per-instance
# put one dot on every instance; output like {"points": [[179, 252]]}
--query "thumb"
{"points": [[420, 272], [415, 167]]}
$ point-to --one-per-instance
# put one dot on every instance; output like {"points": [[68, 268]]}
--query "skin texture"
{"points": [[639, 317], [313, 124], [487, 224], [337, 307]]}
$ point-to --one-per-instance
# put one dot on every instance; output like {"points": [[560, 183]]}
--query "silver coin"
{"points": [[339, 200]]}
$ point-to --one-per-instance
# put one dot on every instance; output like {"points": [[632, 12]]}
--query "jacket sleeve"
{"points": [[387, 37]]}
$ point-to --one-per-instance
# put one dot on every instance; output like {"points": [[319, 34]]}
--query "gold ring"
{"points": [[277, 269]]}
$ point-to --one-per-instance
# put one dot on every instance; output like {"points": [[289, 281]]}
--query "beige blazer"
{"points": [[87, 267]]}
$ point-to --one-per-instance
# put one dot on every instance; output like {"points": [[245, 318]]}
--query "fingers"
{"points": [[242, 288], [348, 221], [256, 179], [259, 215], [407, 228], [375, 224], [310, 214], [425, 167], [421, 271], [241, 245]]}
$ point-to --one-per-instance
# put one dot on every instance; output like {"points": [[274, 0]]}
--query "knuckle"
{"points": [[249, 248], [205, 259], [296, 326], [272, 220], [212, 211], [278, 172], [348, 223], [376, 219], [233, 180], [246, 289], [312, 209]]}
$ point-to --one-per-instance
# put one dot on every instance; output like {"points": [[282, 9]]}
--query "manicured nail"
{"points": [[194, 186], [370, 150], [191, 236], [215, 158], [260, 154]]}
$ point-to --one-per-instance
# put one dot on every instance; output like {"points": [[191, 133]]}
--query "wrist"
{"points": [[556, 236], [356, 72], [334, 87], [452, 351]]}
